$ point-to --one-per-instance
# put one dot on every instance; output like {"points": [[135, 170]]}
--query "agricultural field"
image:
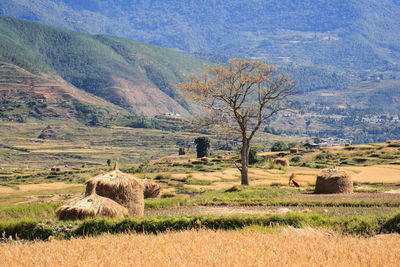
{"points": [[201, 199], [249, 247]]}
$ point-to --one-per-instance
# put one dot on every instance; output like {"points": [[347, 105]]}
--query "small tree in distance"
{"points": [[202, 146], [238, 97], [279, 146]]}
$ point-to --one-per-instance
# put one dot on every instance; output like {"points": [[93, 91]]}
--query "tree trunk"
{"points": [[245, 161]]}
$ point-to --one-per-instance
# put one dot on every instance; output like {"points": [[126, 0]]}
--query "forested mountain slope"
{"points": [[340, 34], [138, 77]]}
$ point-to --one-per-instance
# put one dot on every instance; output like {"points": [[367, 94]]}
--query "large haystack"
{"points": [[90, 206], [333, 181], [282, 161], [123, 188], [151, 189]]}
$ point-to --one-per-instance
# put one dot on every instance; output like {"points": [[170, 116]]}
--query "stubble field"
{"points": [[278, 247]]}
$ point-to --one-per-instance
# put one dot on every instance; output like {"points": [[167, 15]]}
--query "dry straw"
{"points": [[281, 161], [123, 188], [151, 189], [333, 181], [90, 206]]}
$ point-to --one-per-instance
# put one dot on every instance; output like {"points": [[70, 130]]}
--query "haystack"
{"points": [[123, 188], [151, 189], [90, 206], [281, 161], [333, 181]]}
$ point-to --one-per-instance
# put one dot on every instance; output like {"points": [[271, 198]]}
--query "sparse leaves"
{"points": [[239, 96]]}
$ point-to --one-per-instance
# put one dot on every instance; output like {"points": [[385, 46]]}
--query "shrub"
{"points": [[324, 156], [28, 229], [279, 146], [253, 157], [393, 224], [296, 159], [393, 143], [168, 195], [360, 160], [163, 176], [202, 146]]}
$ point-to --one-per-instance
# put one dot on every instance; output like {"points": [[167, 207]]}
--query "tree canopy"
{"points": [[239, 96]]}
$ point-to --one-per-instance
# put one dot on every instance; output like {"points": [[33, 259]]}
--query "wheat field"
{"points": [[283, 247]]}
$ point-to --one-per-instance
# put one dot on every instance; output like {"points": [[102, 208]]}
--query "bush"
{"points": [[360, 160], [202, 146], [324, 156], [393, 143], [165, 176], [28, 229], [253, 157], [296, 159], [168, 195], [279, 146], [392, 225]]}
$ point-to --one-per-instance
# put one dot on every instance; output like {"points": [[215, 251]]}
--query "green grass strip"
{"points": [[360, 225]]}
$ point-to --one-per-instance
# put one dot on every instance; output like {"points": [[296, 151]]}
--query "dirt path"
{"points": [[267, 210], [218, 210]]}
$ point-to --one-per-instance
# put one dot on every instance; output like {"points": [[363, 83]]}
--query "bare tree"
{"points": [[239, 96]]}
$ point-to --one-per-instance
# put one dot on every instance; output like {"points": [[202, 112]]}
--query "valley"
{"points": [[107, 156]]}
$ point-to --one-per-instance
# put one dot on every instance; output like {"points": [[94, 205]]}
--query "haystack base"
{"points": [[282, 161], [91, 206], [333, 181]]}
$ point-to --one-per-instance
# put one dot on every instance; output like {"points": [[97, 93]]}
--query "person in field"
{"points": [[291, 180]]}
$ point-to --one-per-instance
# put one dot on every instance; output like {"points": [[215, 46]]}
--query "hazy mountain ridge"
{"points": [[331, 33]]}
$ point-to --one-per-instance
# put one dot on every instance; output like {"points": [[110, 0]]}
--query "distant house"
{"points": [[236, 143], [311, 145]]}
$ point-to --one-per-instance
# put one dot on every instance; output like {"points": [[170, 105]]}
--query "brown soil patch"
{"points": [[52, 198]]}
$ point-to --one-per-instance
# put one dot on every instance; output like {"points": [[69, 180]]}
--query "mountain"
{"points": [[25, 95], [55, 65], [337, 34], [48, 72]]}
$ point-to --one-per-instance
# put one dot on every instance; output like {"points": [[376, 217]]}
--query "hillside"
{"points": [[132, 75], [47, 72], [25, 95], [337, 34]]}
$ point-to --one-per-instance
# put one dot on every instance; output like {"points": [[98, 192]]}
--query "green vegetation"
{"points": [[117, 69], [355, 225], [97, 64], [279, 146], [336, 32], [202, 146], [253, 157], [34, 211]]}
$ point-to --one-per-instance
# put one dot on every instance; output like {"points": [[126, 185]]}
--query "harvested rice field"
{"points": [[277, 247], [306, 176]]}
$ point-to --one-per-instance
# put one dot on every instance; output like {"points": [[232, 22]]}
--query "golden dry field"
{"points": [[230, 177], [279, 247]]}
